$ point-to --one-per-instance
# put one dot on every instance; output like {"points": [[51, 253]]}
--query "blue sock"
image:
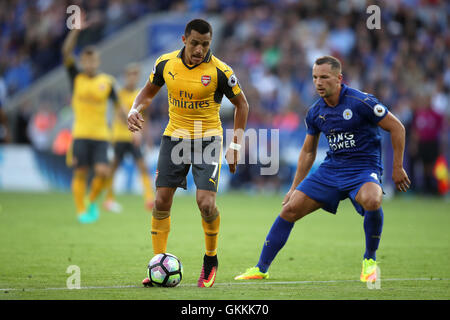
{"points": [[373, 226], [275, 240]]}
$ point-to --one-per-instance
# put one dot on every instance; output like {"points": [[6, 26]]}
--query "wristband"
{"points": [[235, 146], [132, 111]]}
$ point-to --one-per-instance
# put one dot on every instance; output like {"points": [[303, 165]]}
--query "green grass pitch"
{"points": [[40, 238]]}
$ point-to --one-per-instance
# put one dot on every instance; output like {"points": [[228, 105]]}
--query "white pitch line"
{"points": [[84, 288], [229, 284], [332, 281]]}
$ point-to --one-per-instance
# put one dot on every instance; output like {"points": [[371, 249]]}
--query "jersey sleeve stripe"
{"points": [[223, 88], [361, 100], [158, 77]]}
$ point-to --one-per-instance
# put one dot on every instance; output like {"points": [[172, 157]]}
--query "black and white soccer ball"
{"points": [[165, 270]]}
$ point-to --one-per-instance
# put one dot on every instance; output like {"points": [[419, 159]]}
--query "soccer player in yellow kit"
{"points": [[125, 142], [91, 134], [196, 83]]}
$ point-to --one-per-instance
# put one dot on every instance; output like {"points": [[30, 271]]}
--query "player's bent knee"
{"points": [[207, 208], [164, 198], [206, 204], [370, 196], [162, 203], [209, 215], [371, 203], [102, 171], [290, 214]]}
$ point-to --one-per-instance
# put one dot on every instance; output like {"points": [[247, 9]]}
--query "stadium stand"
{"points": [[271, 46]]}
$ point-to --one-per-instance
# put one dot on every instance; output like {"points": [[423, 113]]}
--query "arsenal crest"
{"points": [[206, 80]]}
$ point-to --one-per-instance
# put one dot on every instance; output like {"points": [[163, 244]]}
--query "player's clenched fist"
{"points": [[135, 120]]}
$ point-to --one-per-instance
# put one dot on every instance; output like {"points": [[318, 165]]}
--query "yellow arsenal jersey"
{"points": [[194, 93], [90, 102], [120, 127]]}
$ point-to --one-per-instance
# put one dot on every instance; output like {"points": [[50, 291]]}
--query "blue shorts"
{"points": [[331, 185]]}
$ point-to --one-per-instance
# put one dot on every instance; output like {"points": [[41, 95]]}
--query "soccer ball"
{"points": [[165, 270]]}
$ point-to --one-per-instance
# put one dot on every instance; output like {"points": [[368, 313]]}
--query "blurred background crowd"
{"points": [[271, 45]]}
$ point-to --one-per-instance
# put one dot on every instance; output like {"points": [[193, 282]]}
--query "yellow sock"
{"points": [[79, 182], [109, 188], [211, 230], [160, 233], [97, 186], [148, 189]]}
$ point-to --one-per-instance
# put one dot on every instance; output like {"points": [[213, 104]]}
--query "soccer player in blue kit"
{"points": [[352, 168]]}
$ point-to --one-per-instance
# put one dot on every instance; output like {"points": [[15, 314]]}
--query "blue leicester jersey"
{"points": [[350, 128]]}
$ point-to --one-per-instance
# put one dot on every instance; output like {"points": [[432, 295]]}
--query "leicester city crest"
{"points": [[347, 114]]}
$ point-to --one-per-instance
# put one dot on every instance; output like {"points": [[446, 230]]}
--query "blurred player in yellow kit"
{"points": [[91, 92], [125, 142]]}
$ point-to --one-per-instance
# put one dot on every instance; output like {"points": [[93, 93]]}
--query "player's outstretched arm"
{"points": [[142, 101], [397, 130], [69, 44], [305, 161], [240, 122]]}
